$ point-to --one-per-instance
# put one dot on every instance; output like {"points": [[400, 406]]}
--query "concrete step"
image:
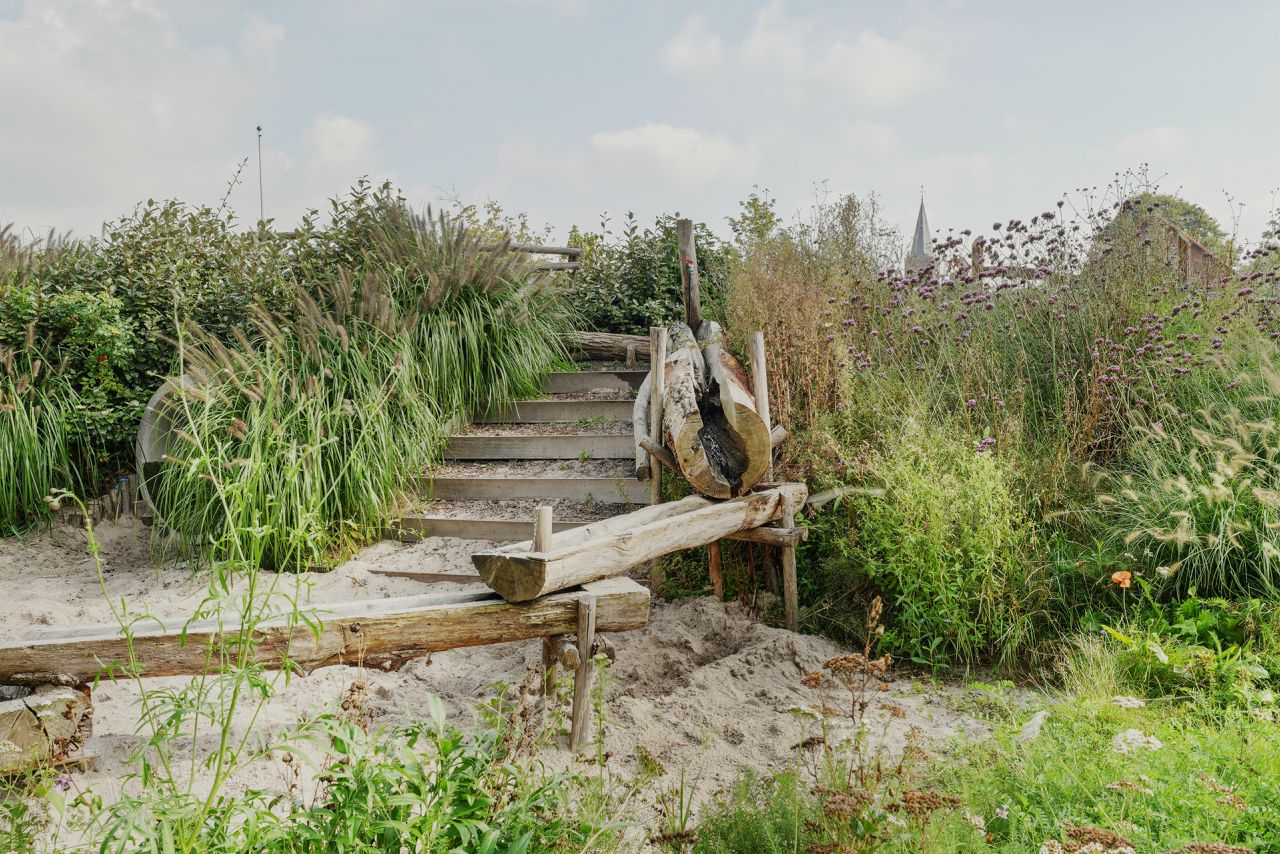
{"points": [[562, 446], [558, 409], [576, 382]]}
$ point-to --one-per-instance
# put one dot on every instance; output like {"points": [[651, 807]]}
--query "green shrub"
{"points": [[1216, 652], [631, 281], [948, 545]]}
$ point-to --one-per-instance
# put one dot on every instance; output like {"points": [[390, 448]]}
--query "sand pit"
{"points": [[704, 688]]}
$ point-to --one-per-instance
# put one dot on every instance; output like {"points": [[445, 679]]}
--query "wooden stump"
{"points": [[47, 726], [580, 718]]}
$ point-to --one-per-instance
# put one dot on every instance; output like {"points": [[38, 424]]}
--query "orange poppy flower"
{"points": [[1123, 578]]}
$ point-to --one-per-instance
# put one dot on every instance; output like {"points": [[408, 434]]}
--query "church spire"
{"points": [[921, 252]]}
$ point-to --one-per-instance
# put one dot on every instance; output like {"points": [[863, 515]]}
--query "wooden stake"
{"points": [[717, 582], [550, 658], [790, 588], [689, 274], [657, 388], [580, 717], [760, 383], [542, 526]]}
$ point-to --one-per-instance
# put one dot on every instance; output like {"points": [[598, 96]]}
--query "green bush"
{"points": [[631, 281], [949, 547]]}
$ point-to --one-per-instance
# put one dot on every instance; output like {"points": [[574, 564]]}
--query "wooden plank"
{"points": [[790, 588], [380, 632], [576, 382], [535, 249], [621, 490], [553, 410], [573, 446], [610, 547], [427, 576]]}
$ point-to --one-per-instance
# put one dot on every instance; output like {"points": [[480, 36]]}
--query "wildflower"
{"points": [[63, 781], [1003, 812], [1128, 702], [1133, 740], [1129, 785], [1164, 571], [1122, 579], [976, 820]]}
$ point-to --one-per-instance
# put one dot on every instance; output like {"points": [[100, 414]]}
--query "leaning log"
{"points": [[381, 633], [612, 546], [607, 345], [709, 415]]}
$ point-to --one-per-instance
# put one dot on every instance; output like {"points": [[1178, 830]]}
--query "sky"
{"points": [[570, 110]]}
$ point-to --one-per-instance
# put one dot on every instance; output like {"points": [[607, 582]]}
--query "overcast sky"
{"points": [[570, 108]]}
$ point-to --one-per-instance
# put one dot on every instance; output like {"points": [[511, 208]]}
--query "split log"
{"points": [[379, 633], [612, 546], [607, 345], [46, 726], [709, 416]]}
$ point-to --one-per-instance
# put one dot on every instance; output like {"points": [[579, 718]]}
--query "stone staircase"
{"points": [[572, 449]]}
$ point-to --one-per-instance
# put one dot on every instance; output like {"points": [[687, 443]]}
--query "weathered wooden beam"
{"points": [[535, 249], [772, 536], [575, 382], [380, 633], [611, 546], [607, 345]]}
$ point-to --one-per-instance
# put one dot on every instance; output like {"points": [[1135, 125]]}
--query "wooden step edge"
{"points": [[412, 529], [540, 447], [606, 490], [570, 382]]}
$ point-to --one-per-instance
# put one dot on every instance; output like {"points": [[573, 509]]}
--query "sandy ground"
{"points": [[705, 687]]}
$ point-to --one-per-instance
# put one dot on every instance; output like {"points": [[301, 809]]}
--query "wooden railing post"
{"points": [[657, 389], [689, 274]]}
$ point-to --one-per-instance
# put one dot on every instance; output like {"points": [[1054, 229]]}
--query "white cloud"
{"points": [[341, 140], [1152, 143], [261, 37], [807, 56], [694, 48], [875, 70], [685, 154]]}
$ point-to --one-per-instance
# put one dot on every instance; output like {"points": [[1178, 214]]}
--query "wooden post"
{"points": [[657, 388], [717, 581], [580, 717], [689, 274], [542, 526], [550, 657], [790, 588], [760, 387]]}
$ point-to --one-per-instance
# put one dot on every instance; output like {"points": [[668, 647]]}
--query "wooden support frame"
{"points": [[384, 633], [609, 547]]}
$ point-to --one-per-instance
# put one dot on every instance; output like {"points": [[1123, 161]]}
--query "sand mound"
{"points": [[704, 688]]}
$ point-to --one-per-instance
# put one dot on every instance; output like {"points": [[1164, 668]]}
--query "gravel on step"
{"points": [[624, 469], [588, 427], [523, 510]]}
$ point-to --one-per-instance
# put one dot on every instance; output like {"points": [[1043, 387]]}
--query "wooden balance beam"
{"points": [[522, 572], [383, 633]]}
